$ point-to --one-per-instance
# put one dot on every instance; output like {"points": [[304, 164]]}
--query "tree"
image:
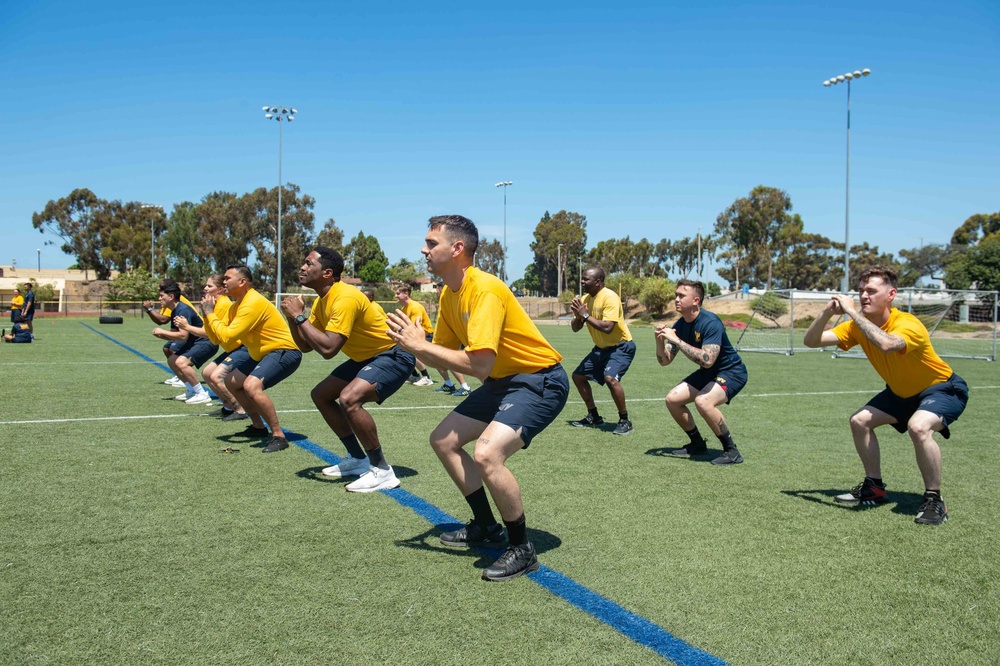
{"points": [[972, 257], [81, 220], [363, 249], [406, 271], [626, 286], [804, 261], [657, 294], [615, 255], [490, 258], [134, 285], [297, 223], [769, 306], [982, 263], [331, 236], [178, 247], [565, 228], [372, 272], [749, 228], [922, 262], [977, 225]]}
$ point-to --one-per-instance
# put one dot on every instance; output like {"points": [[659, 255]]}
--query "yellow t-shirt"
{"points": [[17, 303], [224, 310], [607, 306], [413, 309], [345, 310], [484, 314], [256, 322], [908, 371]]}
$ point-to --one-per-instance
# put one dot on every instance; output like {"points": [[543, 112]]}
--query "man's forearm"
{"points": [[881, 339]]}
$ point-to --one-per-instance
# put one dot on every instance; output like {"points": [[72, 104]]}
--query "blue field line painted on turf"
{"points": [[627, 623], [125, 346]]}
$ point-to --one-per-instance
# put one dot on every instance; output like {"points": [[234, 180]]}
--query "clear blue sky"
{"points": [[649, 119]]}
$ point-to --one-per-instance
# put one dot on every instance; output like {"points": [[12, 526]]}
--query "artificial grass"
{"points": [[131, 540]]}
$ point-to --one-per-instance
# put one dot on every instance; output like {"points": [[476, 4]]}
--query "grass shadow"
{"points": [[316, 474], [900, 502], [665, 452], [428, 541]]}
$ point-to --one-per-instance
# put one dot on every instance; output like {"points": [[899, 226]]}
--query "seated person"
{"points": [[20, 332]]}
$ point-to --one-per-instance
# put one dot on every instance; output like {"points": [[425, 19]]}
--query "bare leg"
{"points": [[863, 424], [617, 393], [922, 426], [583, 386], [498, 443], [447, 441]]}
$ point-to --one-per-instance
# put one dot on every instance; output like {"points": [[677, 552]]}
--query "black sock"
{"points": [[353, 446], [517, 531], [623, 416], [695, 436], [727, 441], [877, 482], [414, 374], [376, 458], [482, 514], [226, 411], [593, 412], [424, 372]]}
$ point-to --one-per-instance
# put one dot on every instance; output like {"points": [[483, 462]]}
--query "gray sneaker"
{"points": [[624, 428], [236, 416], [516, 561], [474, 535]]}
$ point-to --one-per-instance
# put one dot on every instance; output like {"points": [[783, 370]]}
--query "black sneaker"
{"points": [[865, 493], [474, 535], [253, 431], [236, 416], [624, 427], [275, 444], [729, 457], [516, 561], [588, 421], [690, 450], [932, 512], [221, 411]]}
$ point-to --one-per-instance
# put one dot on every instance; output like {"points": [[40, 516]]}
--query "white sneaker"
{"points": [[374, 479], [174, 381], [424, 381], [201, 398], [348, 466], [183, 397]]}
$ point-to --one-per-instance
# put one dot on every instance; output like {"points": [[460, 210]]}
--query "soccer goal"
{"points": [[962, 322], [772, 324]]}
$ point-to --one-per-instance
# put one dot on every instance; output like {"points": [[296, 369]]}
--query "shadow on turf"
{"points": [[903, 503], [665, 452], [428, 540], [316, 474], [607, 426]]}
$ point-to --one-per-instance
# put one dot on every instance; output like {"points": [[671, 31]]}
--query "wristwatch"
{"points": [[301, 319]]}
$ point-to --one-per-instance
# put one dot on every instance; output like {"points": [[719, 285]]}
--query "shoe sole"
{"points": [[465, 545], [850, 500], [944, 519], [500, 579], [341, 475], [382, 486], [622, 434], [727, 461], [268, 449]]}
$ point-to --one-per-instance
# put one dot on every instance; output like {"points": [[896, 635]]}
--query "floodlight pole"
{"points": [[278, 113], [848, 77], [504, 184], [152, 221]]}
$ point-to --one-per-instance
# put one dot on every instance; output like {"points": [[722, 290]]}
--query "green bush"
{"points": [[134, 285], [769, 306], [657, 294]]}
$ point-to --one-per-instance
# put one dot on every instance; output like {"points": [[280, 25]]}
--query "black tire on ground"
{"points": [[110, 319]]}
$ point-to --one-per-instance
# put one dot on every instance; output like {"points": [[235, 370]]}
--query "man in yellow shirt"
{"points": [[344, 320], [414, 311], [16, 305], [922, 394], [273, 354], [601, 311], [524, 389]]}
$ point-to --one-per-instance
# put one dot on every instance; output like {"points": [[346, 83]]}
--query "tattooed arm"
{"points": [[704, 357], [887, 342]]}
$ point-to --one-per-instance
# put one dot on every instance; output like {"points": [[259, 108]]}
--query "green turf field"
{"points": [[125, 537]]}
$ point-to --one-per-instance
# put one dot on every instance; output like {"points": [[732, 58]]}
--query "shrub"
{"points": [[657, 294], [769, 306]]}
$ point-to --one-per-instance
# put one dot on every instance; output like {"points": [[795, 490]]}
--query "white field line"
{"points": [[446, 406]]}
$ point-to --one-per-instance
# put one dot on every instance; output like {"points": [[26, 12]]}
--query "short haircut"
{"points": [[887, 274], [330, 259], [168, 282], [370, 294], [404, 287], [242, 270], [457, 227], [171, 290], [698, 287], [598, 272]]}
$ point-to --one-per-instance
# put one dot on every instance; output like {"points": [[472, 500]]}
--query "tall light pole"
{"points": [[559, 269], [279, 113], [152, 221], [848, 77], [39, 251], [504, 184]]}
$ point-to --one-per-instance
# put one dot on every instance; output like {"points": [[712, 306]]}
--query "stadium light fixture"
{"points": [[504, 184], [848, 77], [279, 114]]}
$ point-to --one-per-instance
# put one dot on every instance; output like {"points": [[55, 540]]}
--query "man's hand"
{"points": [[181, 322], [579, 309], [293, 306], [161, 333], [841, 304], [147, 304], [407, 334], [207, 304], [665, 333]]}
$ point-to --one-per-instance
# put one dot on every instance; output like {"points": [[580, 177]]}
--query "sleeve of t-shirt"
{"points": [[712, 333], [245, 320], [913, 332], [486, 322], [845, 334], [609, 309], [343, 316]]}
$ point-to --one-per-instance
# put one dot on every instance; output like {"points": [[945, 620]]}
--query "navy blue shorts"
{"points": [[175, 346], [732, 380], [234, 358], [387, 371], [274, 367], [607, 362], [31, 315], [198, 350], [947, 400], [526, 401]]}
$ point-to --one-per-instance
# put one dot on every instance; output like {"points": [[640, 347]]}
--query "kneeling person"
{"points": [[701, 336], [343, 319]]}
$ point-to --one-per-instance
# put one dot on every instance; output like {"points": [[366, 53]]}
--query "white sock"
{"points": [[466, 386], [198, 388]]}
